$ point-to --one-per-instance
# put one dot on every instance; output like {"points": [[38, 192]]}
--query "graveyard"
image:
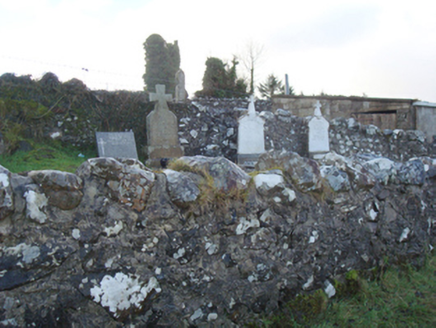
{"points": [[252, 208]]}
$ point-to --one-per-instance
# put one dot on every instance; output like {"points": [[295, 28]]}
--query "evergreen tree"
{"points": [[162, 61], [273, 86], [220, 81]]}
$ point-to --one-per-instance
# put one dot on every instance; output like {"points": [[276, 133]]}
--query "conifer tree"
{"points": [[221, 81], [272, 86]]}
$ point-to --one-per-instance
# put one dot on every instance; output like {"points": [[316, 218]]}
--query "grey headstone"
{"points": [[162, 128], [180, 86], [116, 144]]}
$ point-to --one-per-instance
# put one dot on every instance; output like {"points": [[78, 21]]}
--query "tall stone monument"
{"points": [[162, 129], [181, 93], [319, 143], [251, 141]]}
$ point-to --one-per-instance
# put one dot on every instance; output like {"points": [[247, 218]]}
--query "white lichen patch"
{"points": [[197, 314], [252, 277], [108, 263], [290, 194], [35, 203], [210, 247], [180, 253], [55, 135], [373, 215], [404, 235], [308, 283], [268, 181], [123, 292], [212, 317], [314, 237], [115, 230], [4, 180], [27, 252], [30, 253], [266, 216], [149, 244], [76, 234], [245, 224], [329, 289]]}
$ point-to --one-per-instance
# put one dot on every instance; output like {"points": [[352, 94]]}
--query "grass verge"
{"points": [[401, 296], [45, 157]]}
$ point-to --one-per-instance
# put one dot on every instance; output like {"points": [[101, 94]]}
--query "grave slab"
{"points": [[116, 144]]}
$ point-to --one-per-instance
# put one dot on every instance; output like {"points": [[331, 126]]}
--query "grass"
{"points": [[210, 198], [401, 296], [45, 157]]}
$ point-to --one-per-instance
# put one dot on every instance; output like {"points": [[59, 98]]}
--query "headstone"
{"points": [[181, 94], [162, 129], [251, 141], [318, 134], [116, 144]]}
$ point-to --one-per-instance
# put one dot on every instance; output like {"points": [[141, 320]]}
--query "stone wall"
{"points": [[385, 113], [72, 113], [285, 131], [202, 244]]}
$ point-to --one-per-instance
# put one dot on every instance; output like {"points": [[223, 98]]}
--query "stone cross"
{"points": [[251, 108], [317, 112], [160, 96], [162, 129]]}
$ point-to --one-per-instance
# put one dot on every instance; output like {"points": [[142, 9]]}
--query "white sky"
{"points": [[382, 48]]}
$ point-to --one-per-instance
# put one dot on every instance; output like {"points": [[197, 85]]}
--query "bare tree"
{"points": [[250, 58]]}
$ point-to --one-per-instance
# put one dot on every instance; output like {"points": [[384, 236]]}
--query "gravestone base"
{"points": [[155, 154], [248, 160], [317, 155]]}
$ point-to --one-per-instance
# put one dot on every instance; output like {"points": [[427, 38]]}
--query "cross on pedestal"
{"points": [[251, 108], [160, 96], [317, 111]]}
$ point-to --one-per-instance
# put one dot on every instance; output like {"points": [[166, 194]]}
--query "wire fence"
{"points": [[94, 79]]}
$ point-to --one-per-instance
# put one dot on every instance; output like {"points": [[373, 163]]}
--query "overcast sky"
{"points": [[378, 48]]}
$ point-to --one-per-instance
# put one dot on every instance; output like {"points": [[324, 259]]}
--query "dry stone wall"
{"points": [[202, 244]]}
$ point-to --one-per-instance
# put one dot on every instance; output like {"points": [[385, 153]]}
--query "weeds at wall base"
{"points": [[391, 296]]}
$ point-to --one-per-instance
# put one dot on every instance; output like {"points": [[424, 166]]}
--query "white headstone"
{"points": [[318, 133], [251, 141]]}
